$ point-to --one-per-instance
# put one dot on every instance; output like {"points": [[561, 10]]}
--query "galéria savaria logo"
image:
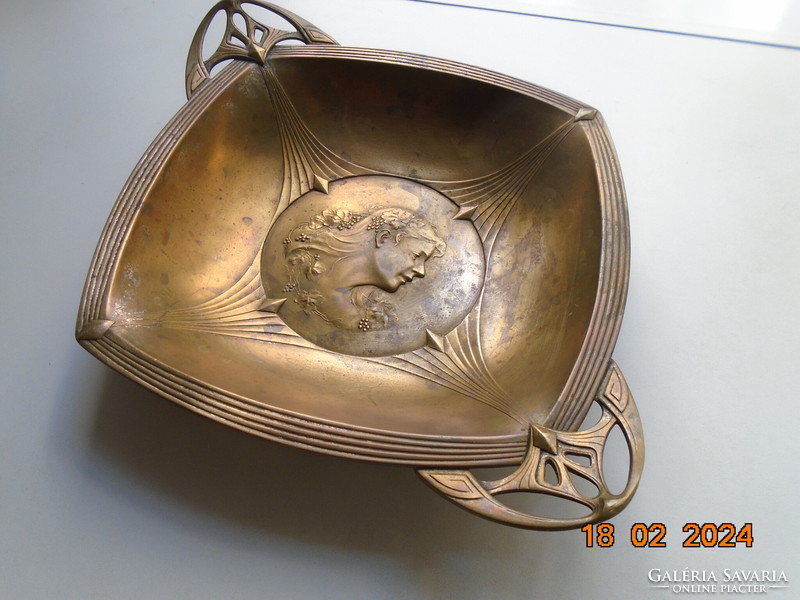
{"points": [[720, 581]]}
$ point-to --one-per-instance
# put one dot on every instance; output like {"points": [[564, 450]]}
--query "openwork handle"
{"points": [[252, 42], [570, 454]]}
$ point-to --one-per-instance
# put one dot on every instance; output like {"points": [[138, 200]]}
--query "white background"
{"points": [[767, 21], [108, 491]]}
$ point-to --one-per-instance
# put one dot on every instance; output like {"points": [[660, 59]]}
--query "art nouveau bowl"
{"points": [[381, 256]]}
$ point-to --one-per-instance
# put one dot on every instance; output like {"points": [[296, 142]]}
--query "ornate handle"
{"points": [[558, 449], [252, 42]]}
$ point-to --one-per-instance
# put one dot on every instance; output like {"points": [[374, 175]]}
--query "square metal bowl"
{"points": [[381, 256]]}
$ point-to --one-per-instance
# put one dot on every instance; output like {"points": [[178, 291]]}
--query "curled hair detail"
{"points": [[314, 247]]}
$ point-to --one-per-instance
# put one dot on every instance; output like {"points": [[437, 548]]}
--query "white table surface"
{"points": [[108, 491]]}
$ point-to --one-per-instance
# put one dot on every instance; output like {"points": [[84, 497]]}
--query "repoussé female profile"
{"points": [[343, 266]]}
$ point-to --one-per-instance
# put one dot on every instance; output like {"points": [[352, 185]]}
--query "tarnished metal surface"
{"points": [[377, 255]]}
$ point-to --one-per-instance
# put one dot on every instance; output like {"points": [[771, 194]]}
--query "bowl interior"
{"points": [[488, 336]]}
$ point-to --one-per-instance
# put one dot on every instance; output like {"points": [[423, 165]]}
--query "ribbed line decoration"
{"points": [[304, 432], [433, 64], [594, 357]]}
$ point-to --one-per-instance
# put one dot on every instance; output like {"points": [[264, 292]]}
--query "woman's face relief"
{"points": [[340, 249], [371, 266], [398, 262]]}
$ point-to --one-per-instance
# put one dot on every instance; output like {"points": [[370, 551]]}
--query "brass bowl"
{"points": [[381, 256]]}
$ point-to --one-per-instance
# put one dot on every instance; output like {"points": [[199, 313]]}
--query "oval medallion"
{"points": [[372, 266]]}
